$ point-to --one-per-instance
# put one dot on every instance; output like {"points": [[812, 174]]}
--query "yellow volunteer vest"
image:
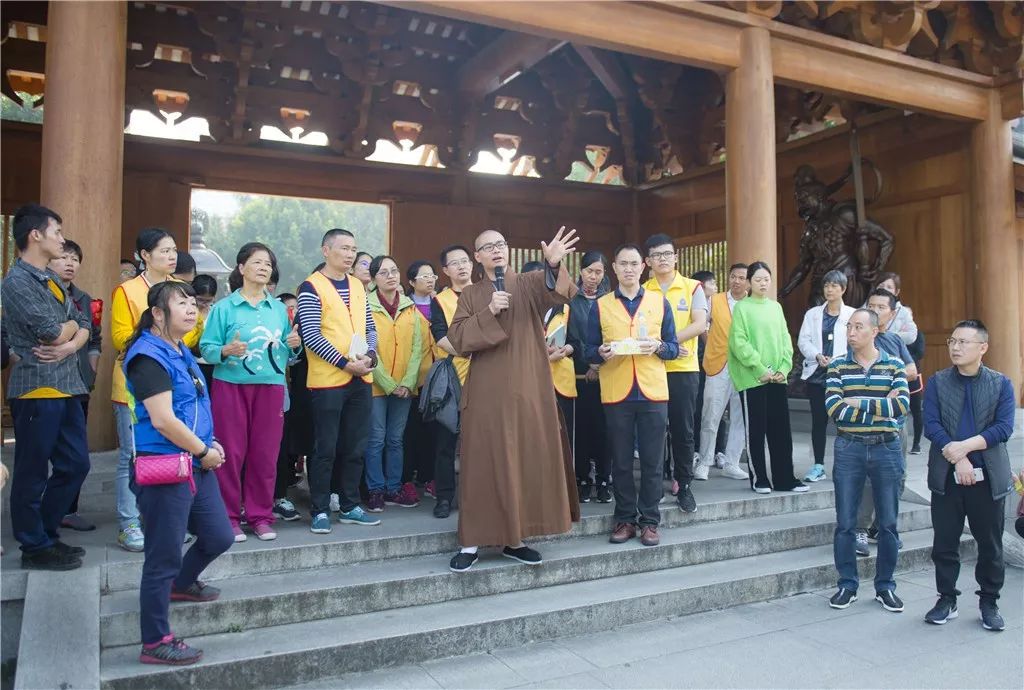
{"points": [[716, 351], [618, 373], [426, 350], [562, 372], [394, 342], [449, 301], [680, 298], [135, 292], [338, 323]]}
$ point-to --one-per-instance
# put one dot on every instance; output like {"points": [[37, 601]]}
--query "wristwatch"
{"points": [[200, 456]]}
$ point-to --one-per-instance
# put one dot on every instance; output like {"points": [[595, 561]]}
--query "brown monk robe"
{"points": [[516, 479]]}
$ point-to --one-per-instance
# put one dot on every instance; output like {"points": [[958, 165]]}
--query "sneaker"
{"points": [[675, 488], [701, 471], [131, 538], [873, 535], [264, 532], [583, 489], [402, 498], [604, 493], [429, 489], [990, 618], [410, 492], [649, 536], [734, 472], [335, 503], [762, 489], [77, 522], [357, 516], [799, 488], [816, 473], [442, 509], [686, 500], [173, 653], [285, 509], [944, 610], [889, 601], [862, 543], [696, 459], [843, 598], [197, 591], [916, 450], [623, 532], [239, 534], [461, 562], [524, 554], [321, 524], [61, 547], [375, 504], [50, 558], [720, 461], [189, 538]]}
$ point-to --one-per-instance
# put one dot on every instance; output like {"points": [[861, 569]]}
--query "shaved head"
{"points": [[487, 236]]}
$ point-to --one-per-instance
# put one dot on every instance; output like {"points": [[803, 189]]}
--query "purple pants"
{"points": [[248, 419]]}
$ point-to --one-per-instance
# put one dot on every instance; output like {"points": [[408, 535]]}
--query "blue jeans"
{"points": [[127, 510], [384, 450], [883, 464]]}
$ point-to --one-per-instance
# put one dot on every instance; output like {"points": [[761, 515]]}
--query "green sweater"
{"points": [[758, 340]]}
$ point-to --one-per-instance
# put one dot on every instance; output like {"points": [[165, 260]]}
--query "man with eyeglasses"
{"points": [[690, 311], [456, 264], [968, 417], [517, 477]]}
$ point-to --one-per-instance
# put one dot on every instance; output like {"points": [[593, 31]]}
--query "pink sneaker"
{"points": [[376, 502], [264, 532], [429, 490], [406, 497]]}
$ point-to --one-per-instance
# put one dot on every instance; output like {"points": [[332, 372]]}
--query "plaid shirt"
{"points": [[32, 315]]}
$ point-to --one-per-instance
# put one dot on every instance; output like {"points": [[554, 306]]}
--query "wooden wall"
{"points": [[923, 204]]}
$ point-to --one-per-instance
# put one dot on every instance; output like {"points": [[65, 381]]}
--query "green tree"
{"points": [[293, 228]]}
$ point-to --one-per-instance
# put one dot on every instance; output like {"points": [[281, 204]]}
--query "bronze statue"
{"points": [[832, 240]]}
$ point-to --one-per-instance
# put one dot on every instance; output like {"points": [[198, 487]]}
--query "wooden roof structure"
{"points": [[361, 72]]}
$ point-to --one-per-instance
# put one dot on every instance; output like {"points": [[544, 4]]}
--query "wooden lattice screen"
{"points": [[518, 256], [708, 256]]}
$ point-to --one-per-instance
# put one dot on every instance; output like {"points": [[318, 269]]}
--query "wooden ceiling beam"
{"points": [[509, 55], [620, 86]]}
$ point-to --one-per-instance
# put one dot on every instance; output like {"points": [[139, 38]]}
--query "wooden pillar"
{"points": [[83, 158], [996, 270], [751, 218]]}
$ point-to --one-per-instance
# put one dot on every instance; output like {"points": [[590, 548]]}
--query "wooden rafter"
{"points": [[618, 84], [509, 55]]}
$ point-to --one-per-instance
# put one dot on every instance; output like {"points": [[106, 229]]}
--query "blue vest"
{"points": [[186, 400]]}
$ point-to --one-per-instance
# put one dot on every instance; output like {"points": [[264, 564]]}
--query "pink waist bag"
{"points": [[173, 468]]}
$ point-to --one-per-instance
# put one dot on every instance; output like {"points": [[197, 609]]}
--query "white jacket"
{"points": [[809, 340]]}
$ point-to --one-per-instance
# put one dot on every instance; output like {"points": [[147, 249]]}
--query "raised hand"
{"points": [[236, 348], [294, 340], [561, 244]]}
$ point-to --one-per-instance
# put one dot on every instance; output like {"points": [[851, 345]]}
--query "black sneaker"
{"points": [[50, 558], [443, 508], [285, 510], [686, 500], [944, 610], [889, 601], [861, 547], [990, 618], [68, 548], [461, 562], [873, 535], [524, 554], [916, 450], [197, 591], [843, 598], [583, 489], [173, 653], [604, 493]]}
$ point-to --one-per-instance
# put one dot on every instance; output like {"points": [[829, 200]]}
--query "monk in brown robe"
{"points": [[516, 479]]}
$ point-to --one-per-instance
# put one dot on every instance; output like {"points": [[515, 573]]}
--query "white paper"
{"points": [[358, 347]]}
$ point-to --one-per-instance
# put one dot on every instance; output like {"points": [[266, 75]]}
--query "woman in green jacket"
{"points": [[760, 357]]}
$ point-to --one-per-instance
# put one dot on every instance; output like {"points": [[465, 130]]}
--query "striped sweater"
{"points": [[874, 410], [311, 313]]}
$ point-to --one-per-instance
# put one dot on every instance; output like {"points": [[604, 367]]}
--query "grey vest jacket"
{"points": [[951, 394]]}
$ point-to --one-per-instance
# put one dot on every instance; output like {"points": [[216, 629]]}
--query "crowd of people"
{"points": [[554, 387]]}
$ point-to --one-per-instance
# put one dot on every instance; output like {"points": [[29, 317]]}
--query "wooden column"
{"points": [[996, 270], [82, 158], [751, 220]]}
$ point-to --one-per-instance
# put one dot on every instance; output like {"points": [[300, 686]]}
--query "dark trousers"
{"points": [[682, 401], [591, 434], [766, 410], [985, 517], [84, 399], [169, 510], [698, 415], [444, 462], [915, 413], [819, 420], [418, 445], [567, 406], [642, 423], [286, 460], [47, 432], [341, 428]]}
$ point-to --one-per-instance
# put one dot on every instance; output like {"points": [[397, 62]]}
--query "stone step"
{"points": [[414, 532], [306, 651], [265, 600]]}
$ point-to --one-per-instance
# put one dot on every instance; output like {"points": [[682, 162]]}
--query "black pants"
{"points": [[285, 461], [682, 401], [819, 420], [591, 434], [85, 411], [418, 447], [915, 412], [644, 423], [766, 409], [567, 406], [341, 422], [985, 517], [445, 443]]}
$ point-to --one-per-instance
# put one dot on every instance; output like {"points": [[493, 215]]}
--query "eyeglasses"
{"points": [[491, 246], [426, 276], [960, 342], [458, 263], [393, 273], [364, 263], [659, 256]]}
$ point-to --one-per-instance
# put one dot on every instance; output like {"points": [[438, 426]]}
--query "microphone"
{"points": [[499, 278]]}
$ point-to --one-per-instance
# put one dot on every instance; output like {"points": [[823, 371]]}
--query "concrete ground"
{"points": [[797, 642]]}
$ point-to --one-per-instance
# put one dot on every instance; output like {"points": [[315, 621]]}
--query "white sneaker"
{"points": [[734, 472], [696, 459], [720, 461], [701, 471], [335, 503]]}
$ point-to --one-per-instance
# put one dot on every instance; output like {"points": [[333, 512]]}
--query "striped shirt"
{"points": [[874, 412], [309, 318]]}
